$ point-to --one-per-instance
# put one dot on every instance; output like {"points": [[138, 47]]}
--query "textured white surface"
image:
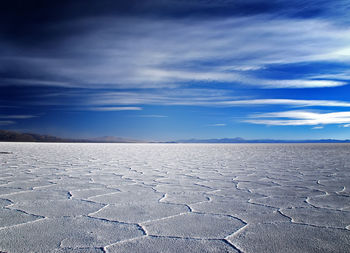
{"points": [[174, 197]]}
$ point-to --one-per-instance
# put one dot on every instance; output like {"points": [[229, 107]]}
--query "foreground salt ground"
{"points": [[174, 197]]}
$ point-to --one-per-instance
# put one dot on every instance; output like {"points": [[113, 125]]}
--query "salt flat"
{"points": [[174, 197]]}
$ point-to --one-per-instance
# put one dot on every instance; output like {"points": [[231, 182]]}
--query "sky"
{"points": [[164, 70]]}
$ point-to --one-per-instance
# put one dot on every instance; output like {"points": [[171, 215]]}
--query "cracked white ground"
{"points": [[174, 197]]}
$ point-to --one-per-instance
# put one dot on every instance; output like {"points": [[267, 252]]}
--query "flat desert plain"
{"points": [[174, 197]]}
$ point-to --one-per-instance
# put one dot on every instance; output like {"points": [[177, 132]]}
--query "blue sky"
{"points": [[167, 70]]}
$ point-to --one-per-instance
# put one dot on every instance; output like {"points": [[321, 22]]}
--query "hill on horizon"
{"points": [[13, 136]]}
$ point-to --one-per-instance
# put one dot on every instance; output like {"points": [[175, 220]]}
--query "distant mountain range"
{"points": [[241, 140], [12, 136]]}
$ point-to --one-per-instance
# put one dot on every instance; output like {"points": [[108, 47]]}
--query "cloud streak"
{"points": [[202, 97], [188, 96], [152, 53], [17, 116], [6, 122], [217, 125], [288, 102], [152, 116], [115, 108], [300, 118]]}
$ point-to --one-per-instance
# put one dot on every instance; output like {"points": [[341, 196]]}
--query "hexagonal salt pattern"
{"points": [[51, 234], [194, 225], [136, 213], [174, 197], [151, 244], [290, 238]]}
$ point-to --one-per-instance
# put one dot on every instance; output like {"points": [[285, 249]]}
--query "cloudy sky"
{"points": [[174, 69]]}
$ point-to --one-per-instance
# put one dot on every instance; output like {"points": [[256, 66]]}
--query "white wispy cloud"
{"points": [[115, 108], [288, 102], [162, 97], [300, 118], [34, 82], [152, 116], [345, 75], [317, 127], [201, 97], [175, 52], [217, 125], [17, 116], [6, 122], [301, 83]]}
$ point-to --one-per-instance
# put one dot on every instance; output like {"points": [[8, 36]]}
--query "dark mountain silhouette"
{"points": [[12, 136], [113, 139], [241, 140]]}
